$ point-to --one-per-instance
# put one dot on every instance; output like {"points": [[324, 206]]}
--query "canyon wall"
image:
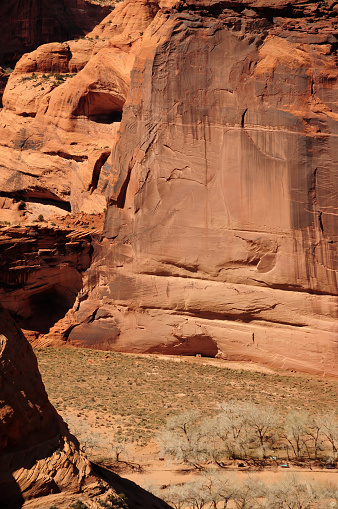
{"points": [[210, 128], [33, 22], [221, 228]]}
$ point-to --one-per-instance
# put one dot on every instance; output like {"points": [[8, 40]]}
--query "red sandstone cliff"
{"points": [[221, 231], [33, 22]]}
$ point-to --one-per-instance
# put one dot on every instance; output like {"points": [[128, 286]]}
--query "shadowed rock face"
{"points": [[35, 22], [37, 454], [41, 271], [221, 230]]}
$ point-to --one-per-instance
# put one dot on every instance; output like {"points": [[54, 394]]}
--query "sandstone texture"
{"points": [[221, 228], [37, 454], [41, 272], [210, 127], [62, 107], [33, 22]]}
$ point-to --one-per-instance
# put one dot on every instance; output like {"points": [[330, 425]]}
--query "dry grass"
{"points": [[100, 394]]}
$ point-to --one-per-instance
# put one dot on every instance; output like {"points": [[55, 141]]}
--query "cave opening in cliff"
{"points": [[100, 107], [48, 307]]}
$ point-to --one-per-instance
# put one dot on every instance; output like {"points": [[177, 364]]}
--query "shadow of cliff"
{"points": [[136, 496], [10, 493]]}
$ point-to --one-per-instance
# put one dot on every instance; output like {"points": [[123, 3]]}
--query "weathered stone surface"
{"points": [[221, 227], [37, 454], [41, 270], [62, 108], [31, 23], [221, 230]]}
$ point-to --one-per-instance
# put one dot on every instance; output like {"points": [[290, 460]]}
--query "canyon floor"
{"points": [[107, 397]]}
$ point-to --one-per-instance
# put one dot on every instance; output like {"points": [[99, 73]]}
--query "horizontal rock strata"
{"points": [[41, 272], [211, 128], [221, 230]]}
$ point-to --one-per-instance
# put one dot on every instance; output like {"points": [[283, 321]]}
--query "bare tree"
{"points": [[119, 447], [198, 495], [233, 428], [249, 494], [213, 440], [219, 487], [183, 439], [295, 431], [314, 430], [175, 495], [330, 430], [292, 493], [262, 421]]}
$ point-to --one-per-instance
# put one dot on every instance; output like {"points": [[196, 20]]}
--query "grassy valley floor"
{"points": [[108, 398]]}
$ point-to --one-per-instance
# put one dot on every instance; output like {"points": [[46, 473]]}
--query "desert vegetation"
{"points": [[110, 394], [209, 420], [250, 432], [213, 491]]}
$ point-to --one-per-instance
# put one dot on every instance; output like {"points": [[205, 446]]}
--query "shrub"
{"points": [[115, 502], [79, 505]]}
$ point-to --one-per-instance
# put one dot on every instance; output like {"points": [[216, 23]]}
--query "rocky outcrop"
{"points": [[41, 271], [221, 229], [31, 23], [62, 108], [37, 454]]}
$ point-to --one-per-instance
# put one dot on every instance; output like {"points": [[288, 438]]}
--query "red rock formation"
{"points": [[57, 126], [37, 454], [31, 23], [221, 231], [41, 270]]}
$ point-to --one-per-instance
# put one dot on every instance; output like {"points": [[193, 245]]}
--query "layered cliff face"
{"points": [[221, 230], [35, 22], [41, 271]]}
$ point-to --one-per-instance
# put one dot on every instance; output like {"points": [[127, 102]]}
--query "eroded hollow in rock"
{"points": [[47, 308]]}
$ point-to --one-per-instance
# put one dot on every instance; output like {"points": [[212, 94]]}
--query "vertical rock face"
{"points": [[37, 454], [221, 230]]}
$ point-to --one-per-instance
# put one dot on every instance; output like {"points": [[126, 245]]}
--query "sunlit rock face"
{"points": [[221, 228]]}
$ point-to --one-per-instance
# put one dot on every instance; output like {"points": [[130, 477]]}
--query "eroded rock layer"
{"points": [[31, 23], [41, 274], [37, 453], [221, 229], [62, 107]]}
